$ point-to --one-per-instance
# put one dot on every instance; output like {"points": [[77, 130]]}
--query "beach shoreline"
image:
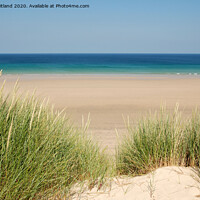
{"points": [[98, 75]]}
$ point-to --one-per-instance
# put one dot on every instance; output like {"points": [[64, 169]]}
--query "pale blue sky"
{"points": [[108, 26]]}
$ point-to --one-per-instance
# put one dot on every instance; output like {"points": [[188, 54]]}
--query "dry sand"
{"points": [[110, 97], [168, 183]]}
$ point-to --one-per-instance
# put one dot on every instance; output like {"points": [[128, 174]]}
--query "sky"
{"points": [[108, 26]]}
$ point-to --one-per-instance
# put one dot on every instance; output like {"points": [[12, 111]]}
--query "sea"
{"points": [[100, 63]]}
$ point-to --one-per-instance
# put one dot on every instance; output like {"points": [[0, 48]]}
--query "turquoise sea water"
{"points": [[100, 63]]}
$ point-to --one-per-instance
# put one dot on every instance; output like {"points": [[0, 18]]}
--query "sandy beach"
{"points": [[111, 98]]}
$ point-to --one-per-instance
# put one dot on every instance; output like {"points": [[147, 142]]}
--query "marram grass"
{"points": [[192, 140], [41, 155], [162, 139]]}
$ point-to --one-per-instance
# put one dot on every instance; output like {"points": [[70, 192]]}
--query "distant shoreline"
{"points": [[100, 76]]}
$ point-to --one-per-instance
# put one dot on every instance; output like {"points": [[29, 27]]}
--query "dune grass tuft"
{"points": [[192, 140], [41, 154], [163, 139]]}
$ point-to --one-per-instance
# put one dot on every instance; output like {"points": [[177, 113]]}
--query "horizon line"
{"points": [[99, 53]]}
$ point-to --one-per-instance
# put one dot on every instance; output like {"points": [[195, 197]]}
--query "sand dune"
{"points": [[167, 183]]}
